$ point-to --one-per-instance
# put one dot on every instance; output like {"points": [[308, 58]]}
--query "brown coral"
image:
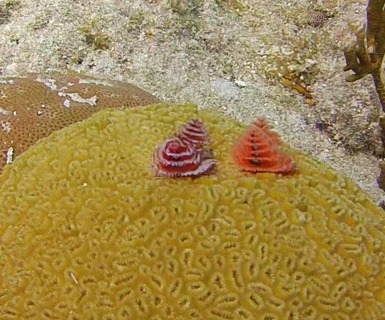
{"points": [[33, 107]]}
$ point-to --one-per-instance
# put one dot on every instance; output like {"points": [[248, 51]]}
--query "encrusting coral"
{"points": [[34, 106], [88, 231]]}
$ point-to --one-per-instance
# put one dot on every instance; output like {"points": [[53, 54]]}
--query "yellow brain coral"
{"points": [[87, 231], [34, 106]]}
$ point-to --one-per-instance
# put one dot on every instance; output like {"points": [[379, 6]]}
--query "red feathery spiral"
{"points": [[258, 151], [194, 132], [184, 155]]}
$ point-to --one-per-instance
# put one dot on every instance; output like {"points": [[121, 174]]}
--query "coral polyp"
{"points": [[258, 151]]}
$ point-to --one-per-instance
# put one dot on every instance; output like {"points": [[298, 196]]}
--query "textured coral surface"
{"points": [[87, 231], [34, 106]]}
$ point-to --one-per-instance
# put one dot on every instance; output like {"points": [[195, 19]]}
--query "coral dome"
{"points": [[88, 231], [33, 106]]}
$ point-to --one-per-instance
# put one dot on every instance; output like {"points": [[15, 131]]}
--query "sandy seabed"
{"points": [[227, 55]]}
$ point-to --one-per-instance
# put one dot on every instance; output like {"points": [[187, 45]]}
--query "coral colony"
{"points": [[86, 238], [55, 102], [187, 154]]}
